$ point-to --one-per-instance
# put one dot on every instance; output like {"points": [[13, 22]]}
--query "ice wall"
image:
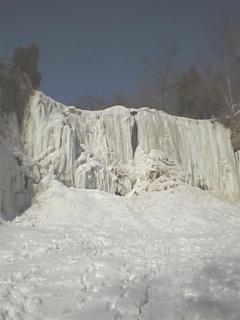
{"points": [[118, 148], [15, 183]]}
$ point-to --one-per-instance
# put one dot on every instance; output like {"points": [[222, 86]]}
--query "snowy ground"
{"points": [[85, 254]]}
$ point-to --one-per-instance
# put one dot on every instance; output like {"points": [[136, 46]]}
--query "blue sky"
{"points": [[98, 46]]}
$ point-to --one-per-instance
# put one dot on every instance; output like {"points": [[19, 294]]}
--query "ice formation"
{"points": [[118, 150]]}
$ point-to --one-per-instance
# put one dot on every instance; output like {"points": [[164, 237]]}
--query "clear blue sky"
{"points": [[97, 46]]}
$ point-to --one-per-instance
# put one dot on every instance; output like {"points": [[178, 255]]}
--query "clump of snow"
{"points": [[155, 172]]}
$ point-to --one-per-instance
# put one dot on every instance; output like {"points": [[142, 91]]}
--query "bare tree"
{"points": [[90, 102], [130, 100], [26, 60], [228, 53], [161, 76]]}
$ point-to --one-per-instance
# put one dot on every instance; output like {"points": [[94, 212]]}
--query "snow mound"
{"points": [[58, 204]]}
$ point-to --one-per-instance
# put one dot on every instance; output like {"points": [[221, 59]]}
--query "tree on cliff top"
{"points": [[18, 78], [200, 95], [26, 59]]}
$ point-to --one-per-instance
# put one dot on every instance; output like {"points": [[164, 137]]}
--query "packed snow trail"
{"points": [[86, 254]]}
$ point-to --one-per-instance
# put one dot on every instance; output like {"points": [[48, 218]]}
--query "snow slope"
{"points": [[87, 254]]}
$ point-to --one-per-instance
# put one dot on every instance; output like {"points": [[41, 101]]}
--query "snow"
{"points": [[87, 254]]}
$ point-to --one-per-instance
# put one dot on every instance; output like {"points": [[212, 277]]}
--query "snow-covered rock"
{"points": [[110, 149]]}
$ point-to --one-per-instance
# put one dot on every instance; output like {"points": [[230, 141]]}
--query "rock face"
{"points": [[119, 150], [15, 183]]}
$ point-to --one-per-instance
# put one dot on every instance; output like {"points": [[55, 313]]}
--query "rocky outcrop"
{"points": [[15, 182], [119, 150]]}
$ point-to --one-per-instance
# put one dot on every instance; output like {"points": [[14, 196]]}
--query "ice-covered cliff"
{"points": [[15, 182], [117, 150], [120, 149]]}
